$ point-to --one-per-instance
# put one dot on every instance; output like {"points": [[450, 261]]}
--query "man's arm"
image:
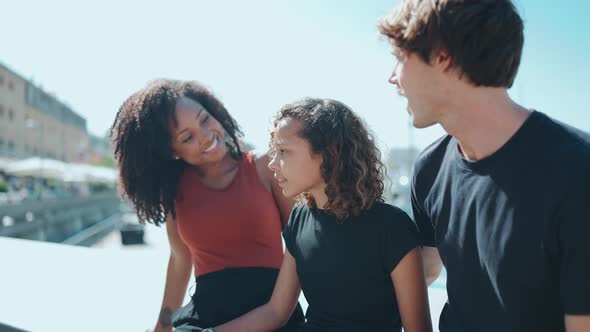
{"points": [[574, 255], [432, 264], [411, 293]]}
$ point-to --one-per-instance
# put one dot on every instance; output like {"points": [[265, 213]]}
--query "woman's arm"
{"points": [[278, 310], [179, 271], [410, 291]]}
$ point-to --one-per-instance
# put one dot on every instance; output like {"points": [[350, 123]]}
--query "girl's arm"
{"points": [[278, 310], [578, 323], [412, 295]]}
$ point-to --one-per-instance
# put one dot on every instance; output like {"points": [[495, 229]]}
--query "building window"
{"points": [[1, 111], [10, 146], [1, 80], [10, 85], [11, 114]]}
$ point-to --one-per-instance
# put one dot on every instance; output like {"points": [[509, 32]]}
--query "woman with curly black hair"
{"points": [[180, 162], [356, 258]]}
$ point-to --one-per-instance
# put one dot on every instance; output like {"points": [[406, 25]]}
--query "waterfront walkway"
{"points": [[108, 287]]}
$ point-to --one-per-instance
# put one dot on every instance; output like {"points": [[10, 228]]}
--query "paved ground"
{"points": [[109, 287]]}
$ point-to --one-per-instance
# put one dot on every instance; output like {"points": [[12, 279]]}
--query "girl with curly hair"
{"points": [[180, 162], [355, 257]]}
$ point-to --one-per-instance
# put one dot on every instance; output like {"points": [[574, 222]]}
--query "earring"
{"points": [[176, 157]]}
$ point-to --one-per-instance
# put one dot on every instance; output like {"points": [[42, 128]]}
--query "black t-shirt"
{"points": [[512, 229], [344, 267]]}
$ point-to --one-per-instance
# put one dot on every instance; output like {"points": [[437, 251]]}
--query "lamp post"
{"points": [[30, 123]]}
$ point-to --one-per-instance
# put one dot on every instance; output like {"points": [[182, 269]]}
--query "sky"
{"points": [[259, 55]]}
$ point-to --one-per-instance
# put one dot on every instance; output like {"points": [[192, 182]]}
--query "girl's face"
{"points": [[296, 168], [198, 138]]}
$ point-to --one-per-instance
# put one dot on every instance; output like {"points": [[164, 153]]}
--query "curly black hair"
{"points": [[149, 175], [351, 162]]}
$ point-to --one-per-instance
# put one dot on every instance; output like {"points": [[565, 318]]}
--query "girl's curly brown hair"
{"points": [[351, 162], [149, 175]]}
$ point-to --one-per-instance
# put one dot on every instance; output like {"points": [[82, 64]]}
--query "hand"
{"points": [[160, 329]]}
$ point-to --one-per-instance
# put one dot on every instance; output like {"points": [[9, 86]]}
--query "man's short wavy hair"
{"points": [[484, 38], [351, 162]]}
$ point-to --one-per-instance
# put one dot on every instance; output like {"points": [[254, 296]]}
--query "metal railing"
{"points": [[92, 234], [57, 220]]}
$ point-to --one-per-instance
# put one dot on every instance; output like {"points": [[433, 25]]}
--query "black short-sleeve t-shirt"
{"points": [[512, 229], [344, 266]]}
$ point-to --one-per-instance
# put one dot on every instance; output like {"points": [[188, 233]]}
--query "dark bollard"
{"points": [[132, 234]]}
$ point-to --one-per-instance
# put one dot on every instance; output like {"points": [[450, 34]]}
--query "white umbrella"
{"points": [[4, 162], [38, 167], [89, 173], [103, 174], [75, 173]]}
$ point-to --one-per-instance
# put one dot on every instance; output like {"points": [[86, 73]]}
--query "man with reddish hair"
{"points": [[502, 199]]}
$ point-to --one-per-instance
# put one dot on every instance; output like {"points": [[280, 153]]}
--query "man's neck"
{"points": [[483, 121]]}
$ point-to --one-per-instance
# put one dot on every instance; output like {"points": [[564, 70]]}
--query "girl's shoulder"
{"points": [[387, 209], [300, 211], [391, 216]]}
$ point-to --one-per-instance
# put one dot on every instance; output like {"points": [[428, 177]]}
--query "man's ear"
{"points": [[443, 61]]}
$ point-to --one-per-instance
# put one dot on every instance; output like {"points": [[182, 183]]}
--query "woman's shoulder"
{"points": [[258, 157]]}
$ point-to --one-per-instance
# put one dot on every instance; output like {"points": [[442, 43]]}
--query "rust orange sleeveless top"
{"points": [[238, 226]]}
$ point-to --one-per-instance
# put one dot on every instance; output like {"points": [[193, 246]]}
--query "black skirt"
{"points": [[224, 295]]}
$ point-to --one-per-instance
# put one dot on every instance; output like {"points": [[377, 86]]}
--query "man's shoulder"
{"points": [[566, 142], [432, 156]]}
